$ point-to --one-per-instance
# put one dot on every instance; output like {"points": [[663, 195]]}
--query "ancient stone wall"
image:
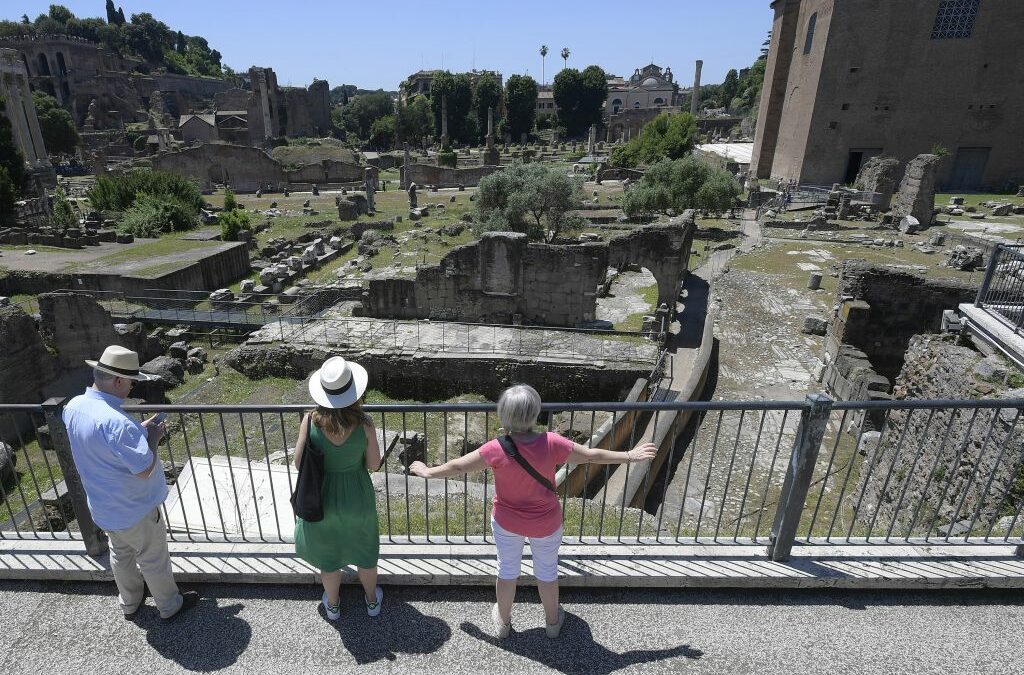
{"points": [[503, 278], [895, 305], [433, 379], [916, 196], [428, 174], [327, 171], [243, 167], [879, 174], [944, 460], [26, 366]]}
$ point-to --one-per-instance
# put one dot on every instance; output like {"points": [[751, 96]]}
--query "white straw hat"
{"points": [[120, 362], [338, 383]]}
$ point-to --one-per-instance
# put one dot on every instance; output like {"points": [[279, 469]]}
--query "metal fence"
{"points": [[1002, 291], [758, 473]]}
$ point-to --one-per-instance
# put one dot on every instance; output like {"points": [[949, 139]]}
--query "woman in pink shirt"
{"points": [[525, 503]]}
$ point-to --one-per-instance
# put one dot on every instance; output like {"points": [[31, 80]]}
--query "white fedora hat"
{"points": [[121, 362], [338, 383]]}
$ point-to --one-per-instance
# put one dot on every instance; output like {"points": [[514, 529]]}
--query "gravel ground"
{"points": [[63, 628]]}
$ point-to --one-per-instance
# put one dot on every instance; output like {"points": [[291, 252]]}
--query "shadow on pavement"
{"points": [[400, 628], [575, 651], [206, 638]]}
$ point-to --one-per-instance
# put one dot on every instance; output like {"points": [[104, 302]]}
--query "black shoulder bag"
{"points": [[307, 500], [512, 451]]}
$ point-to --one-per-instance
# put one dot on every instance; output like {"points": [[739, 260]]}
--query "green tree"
{"points": [[362, 111], [180, 45], [11, 159], [565, 57], [672, 186], [414, 120], [62, 216], [382, 133], [233, 222], [520, 105], [150, 215], [58, 128], [543, 60], [60, 14], [487, 95], [120, 16], [148, 37], [459, 92], [230, 203], [731, 86], [111, 12], [528, 198], [8, 195], [665, 137], [579, 97]]}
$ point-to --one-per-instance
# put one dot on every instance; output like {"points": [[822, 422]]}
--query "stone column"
{"points": [[695, 99], [444, 122], [406, 167], [591, 147], [490, 127]]}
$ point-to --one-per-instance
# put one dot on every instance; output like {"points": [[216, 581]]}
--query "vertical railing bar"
{"points": [[625, 482], [565, 483], [252, 480], [231, 474], [408, 510], [7, 498], [950, 475], [910, 474], [828, 472], [426, 484], [974, 472], [465, 482], [444, 424], [487, 474], [270, 475], [707, 477], [992, 475], [750, 474], [284, 441], [689, 473], [177, 486], [46, 460], [892, 466], [931, 474], [583, 499], [875, 459], [384, 467], [647, 476], [604, 490], [728, 476], [35, 483], [846, 480], [195, 481], [216, 493], [771, 472]]}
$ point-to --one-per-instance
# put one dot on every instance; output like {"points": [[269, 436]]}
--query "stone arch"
{"points": [[664, 249], [62, 66], [24, 59], [44, 65], [659, 101]]}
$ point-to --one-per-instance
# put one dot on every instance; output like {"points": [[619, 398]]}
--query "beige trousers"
{"points": [[138, 556]]}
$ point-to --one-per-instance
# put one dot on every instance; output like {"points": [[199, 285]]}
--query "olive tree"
{"points": [[528, 198]]}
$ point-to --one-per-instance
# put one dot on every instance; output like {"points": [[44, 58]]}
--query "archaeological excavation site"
{"points": [[810, 303]]}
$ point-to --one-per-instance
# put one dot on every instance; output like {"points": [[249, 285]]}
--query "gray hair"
{"points": [[518, 408], [102, 377]]}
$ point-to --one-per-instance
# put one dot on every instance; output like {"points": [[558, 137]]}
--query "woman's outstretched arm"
{"points": [[472, 461], [584, 455]]}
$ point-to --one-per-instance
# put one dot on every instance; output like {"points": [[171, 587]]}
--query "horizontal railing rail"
{"points": [[764, 473]]}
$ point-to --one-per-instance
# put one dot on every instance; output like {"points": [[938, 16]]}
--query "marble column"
{"points": [[695, 99]]}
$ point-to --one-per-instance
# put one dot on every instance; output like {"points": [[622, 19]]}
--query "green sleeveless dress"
{"points": [[348, 534]]}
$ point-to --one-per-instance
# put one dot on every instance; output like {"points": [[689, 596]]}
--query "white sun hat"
{"points": [[121, 362], [338, 383]]}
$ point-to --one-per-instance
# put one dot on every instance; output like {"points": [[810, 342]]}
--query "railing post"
{"points": [[989, 274], [95, 539], [790, 507]]}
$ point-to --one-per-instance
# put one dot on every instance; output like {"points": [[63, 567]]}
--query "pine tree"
{"points": [[111, 12]]}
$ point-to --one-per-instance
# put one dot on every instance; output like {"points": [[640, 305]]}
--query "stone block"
{"points": [[178, 350], [170, 370]]}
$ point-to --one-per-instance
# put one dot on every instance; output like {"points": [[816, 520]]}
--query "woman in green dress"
{"points": [[348, 533]]}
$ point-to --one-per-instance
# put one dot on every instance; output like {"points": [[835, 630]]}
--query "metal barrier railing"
{"points": [[762, 473], [1002, 291]]}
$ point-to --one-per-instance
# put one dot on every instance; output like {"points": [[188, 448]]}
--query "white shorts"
{"points": [[510, 553]]}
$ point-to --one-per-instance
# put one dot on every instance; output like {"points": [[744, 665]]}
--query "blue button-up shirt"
{"points": [[110, 449]]}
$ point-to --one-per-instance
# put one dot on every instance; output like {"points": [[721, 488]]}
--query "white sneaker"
{"points": [[553, 630], [333, 613], [373, 608], [501, 629]]}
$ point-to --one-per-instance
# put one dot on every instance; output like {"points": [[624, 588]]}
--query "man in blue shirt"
{"points": [[124, 482]]}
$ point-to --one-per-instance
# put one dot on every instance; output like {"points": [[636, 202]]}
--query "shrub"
{"points": [[447, 157], [62, 216], [664, 137], [230, 203], [674, 186], [151, 215], [527, 198], [118, 193], [233, 222]]}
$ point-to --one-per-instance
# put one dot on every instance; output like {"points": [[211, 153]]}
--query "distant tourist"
{"points": [[348, 534], [124, 483], [526, 505]]}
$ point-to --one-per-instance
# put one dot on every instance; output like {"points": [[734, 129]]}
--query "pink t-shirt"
{"points": [[521, 504]]}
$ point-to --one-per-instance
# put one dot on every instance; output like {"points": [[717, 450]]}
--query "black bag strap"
{"points": [[512, 451]]}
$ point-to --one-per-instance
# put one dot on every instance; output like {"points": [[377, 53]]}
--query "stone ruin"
{"points": [[503, 278], [916, 196], [879, 175]]}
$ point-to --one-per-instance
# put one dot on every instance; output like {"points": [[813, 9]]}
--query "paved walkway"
{"points": [[72, 627]]}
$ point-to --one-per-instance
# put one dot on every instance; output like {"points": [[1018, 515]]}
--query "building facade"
{"points": [[852, 79], [21, 112]]}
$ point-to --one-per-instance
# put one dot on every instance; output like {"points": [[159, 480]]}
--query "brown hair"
{"points": [[335, 421]]}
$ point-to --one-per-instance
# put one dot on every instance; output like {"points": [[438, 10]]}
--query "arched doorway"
{"points": [[44, 66]]}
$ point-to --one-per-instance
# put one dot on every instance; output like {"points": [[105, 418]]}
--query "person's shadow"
{"points": [[205, 639], [575, 651], [400, 628]]}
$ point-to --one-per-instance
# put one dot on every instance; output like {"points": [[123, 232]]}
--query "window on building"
{"points": [[955, 19], [659, 101], [811, 24], [637, 104]]}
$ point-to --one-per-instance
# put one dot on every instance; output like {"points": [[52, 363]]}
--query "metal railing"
{"points": [[760, 473], [1002, 291]]}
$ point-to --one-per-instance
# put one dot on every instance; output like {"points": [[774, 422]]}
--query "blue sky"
{"points": [[377, 43]]}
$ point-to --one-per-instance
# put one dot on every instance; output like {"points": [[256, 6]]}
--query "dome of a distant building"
{"points": [[650, 82]]}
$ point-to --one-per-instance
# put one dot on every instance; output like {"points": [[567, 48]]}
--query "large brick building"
{"points": [[850, 79]]}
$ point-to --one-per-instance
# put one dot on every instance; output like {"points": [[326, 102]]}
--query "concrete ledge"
{"points": [[580, 565]]}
